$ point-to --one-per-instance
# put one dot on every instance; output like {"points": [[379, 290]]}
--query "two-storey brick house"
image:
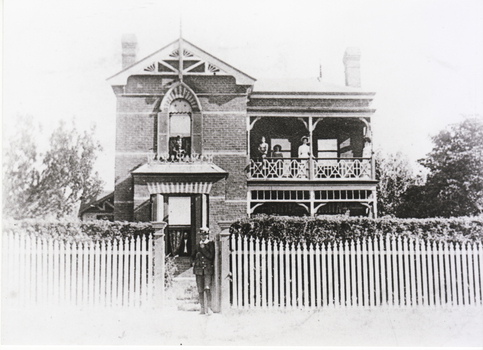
{"points": [[199, 142]]}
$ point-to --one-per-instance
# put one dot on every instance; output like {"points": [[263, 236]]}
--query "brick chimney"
{"points": [[129, 49], [352, 63]]}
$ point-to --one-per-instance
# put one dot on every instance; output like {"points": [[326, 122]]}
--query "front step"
{"points": [[185, 292]]}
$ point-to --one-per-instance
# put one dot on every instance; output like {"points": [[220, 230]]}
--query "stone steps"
{"points": [[184, 293]]}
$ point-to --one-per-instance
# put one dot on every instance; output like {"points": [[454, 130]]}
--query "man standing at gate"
{"points": [[203, 257]]}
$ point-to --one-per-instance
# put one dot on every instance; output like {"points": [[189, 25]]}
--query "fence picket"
{"points": [[150, 267], [353, 274], [137, 271], [288, 291], [263, 267], [246, 272], [447, 278], [464, 276], [318, 287], [279, 297], [115, 272], [276, 273], [286, 268], [325, 289], [267, 271], [439, 281], [365, 285], [459, 284], [470, 255], [240, 284], [299, 277], [305, 276], [330, 275], [132, 257], [103, 275], [74, 274], [480, 274], [340, 275], [370, 258], [234, 275], [407, 276], [412, 272], [109, 286], [256, 267], [360, 301], [429, 254], [424, 257], [251, 263], [347, 274], [293, 279], [389, 269], [311, 271]]}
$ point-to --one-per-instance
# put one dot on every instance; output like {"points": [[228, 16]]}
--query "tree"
{"points": [[54, 185], [454, 185], [395, 176]]}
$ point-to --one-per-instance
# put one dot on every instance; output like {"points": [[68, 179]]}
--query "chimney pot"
{"points": [[352, 63], [129, 44]]}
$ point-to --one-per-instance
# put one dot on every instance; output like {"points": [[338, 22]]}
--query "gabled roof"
{"points": [[166, 62], [103, 203]]}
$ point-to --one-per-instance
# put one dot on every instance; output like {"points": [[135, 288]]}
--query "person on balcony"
{"points": [[277, 151], [263, 148], [304, 153], [366, 155], [304, 149], [277, 155], [203, 267]]}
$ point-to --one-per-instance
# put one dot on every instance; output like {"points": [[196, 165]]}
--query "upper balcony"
{"points": [[310, 149]]}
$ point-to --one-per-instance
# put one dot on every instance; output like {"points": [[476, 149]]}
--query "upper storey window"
{"points": [[179, 129]]}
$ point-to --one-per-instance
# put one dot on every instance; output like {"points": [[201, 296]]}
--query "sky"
{"points": [[422, 58]]}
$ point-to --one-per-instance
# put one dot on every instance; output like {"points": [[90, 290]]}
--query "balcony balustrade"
{"points": [[311, 169]]}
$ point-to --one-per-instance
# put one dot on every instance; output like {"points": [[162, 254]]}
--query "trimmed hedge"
{"points": [[78, 231], [337, 229]]}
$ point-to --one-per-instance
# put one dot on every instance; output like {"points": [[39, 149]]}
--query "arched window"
{"points": [[180, 128]]}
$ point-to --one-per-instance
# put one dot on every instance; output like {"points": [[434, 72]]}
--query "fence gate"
{"points": [[366, 273], [104, 273]]}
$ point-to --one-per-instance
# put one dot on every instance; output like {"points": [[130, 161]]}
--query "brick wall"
{"points": [[223, 105]]}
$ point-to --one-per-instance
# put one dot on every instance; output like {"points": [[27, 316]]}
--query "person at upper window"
{"points": [[304, 148], [263, 148], [178, 150]]}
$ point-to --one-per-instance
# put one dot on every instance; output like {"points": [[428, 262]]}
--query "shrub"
{"points": [[169, 270], [78, 231], [335, 229]]}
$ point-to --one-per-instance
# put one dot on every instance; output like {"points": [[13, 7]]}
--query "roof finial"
{"points": [[180, 48], [320, 72]]}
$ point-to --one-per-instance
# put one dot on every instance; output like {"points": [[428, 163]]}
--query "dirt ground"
{"points": [[446, 326]]}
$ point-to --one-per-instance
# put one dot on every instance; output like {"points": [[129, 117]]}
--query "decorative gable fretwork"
{"points": [[191, 65], [168, 61]]}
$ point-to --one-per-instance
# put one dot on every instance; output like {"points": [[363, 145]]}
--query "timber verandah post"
{"points": [[159, 267]]}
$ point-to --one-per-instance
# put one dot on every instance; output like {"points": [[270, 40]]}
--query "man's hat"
{"points": [[205, 231]]}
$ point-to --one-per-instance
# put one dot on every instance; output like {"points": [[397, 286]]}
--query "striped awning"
{"points": [[179, 187]]}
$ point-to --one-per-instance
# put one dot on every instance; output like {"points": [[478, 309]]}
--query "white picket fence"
{"points": [[368, 273], [39, 271]]}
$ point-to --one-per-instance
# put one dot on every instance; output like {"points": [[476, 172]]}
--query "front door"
{"points": [[183, 214]]}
